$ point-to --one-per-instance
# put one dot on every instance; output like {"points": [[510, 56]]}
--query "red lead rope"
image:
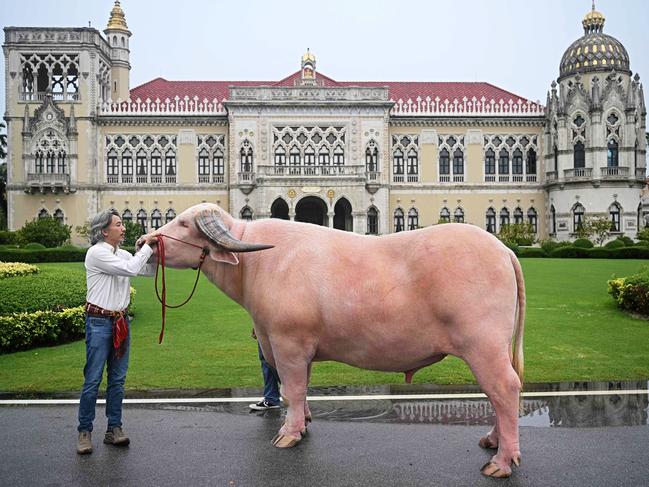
{"points": [[161, 264]]}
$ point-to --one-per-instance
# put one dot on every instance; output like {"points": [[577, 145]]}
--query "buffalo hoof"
{"points": [[488, 443], [284, 441], [491, 469]]}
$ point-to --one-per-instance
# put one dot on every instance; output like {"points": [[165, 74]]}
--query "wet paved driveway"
{"points": [[597, 435]]}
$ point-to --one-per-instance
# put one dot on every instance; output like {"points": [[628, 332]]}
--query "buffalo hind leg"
{"points": [[502, 386], [293, 390]]}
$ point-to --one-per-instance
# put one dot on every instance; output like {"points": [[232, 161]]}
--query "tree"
{"points": [[517, 234], [47, 231], [600, 229], [133, 232]]}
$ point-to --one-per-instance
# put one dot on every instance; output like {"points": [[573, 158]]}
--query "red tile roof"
{"points": [[404, 90]]}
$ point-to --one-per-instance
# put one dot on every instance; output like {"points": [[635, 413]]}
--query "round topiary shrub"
{"points": [[628, 242], [34, 246], [583, 243], [615, 244]]}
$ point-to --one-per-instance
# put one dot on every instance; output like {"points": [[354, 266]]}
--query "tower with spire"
{"points": [[308, 68], [118, 35]]}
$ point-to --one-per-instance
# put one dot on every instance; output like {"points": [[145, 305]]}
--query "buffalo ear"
{"points": [[220, 255]]}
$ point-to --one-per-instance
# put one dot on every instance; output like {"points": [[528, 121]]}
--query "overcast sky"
{"points": [[514, 44]]}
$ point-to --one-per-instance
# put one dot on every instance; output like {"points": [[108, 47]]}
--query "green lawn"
{"points": [[573, 331]]}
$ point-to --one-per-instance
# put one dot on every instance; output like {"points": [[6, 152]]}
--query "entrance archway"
{"points": [[311, 210], [279, 209], [343, 215]]}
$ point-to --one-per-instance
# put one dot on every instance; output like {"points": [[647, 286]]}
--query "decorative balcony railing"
{"points": [[426, 107], [40, 96], [211, 178], [578, 173], [613, 172], [641, 172], [301, 171], [141, 179], [551, 176], [48, 179], [177, 106]]}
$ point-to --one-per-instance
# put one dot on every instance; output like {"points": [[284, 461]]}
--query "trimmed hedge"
{"points": [[632, 292], [14, 269], [532, 252], [34, 246], [49, 290], [615, 244], [57, 254], [7, 237], [583, 243], [20, 331]]}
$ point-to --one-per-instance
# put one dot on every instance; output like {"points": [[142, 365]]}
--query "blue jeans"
{"points": [[99, 352], [271, 380]]}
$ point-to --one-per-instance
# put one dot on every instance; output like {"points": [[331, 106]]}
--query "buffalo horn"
{"points": [[211, 224]]}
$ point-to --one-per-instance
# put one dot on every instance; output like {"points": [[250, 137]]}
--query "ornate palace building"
{"points": [[369, 157]]}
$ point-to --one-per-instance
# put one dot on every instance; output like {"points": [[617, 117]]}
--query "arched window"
{"points": [[127, 216], [398, 220], [397, 164], [503, 162], [413, 162], [39, 164], [218, 168], [279, 209], [156, 219], [491, 220], [458, 215], [372, 221], [323, 156], [127, 167], [444, 215], [612, 157], [504, 217], [458, 162], [577, 217], [280, 156], [614, 215], [170, 166], [142, 220], [517, 162], [156, 166], [246, 213], [309, 156], [372, 157], [141, 166], [530, 165], [339, 156], [490, 162], [532, 219], [556, 159], [203, 166], [553, 220], [579, 155], [59, 216], [518, 216], [294, 156], [61, 167], [246, 157], [413, 219], [112, 169], [43, 214], [444, 162], [170, 215]]}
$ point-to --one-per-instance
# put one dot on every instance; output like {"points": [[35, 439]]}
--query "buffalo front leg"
{"points": [[293, 390], [502, 386]]}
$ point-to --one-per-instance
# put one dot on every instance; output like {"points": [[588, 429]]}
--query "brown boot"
{"points": [[116, 437], [84, 445]]}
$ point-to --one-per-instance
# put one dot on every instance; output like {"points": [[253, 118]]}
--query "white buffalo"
{"points": [[395, 303]]}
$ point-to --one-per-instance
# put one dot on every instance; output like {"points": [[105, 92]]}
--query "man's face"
{"points": [[115, 232]]}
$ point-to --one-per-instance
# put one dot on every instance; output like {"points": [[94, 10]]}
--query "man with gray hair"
{"points": [[108, 272]]}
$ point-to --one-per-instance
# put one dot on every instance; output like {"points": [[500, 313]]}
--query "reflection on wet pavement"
{"points": [[559, 405]]}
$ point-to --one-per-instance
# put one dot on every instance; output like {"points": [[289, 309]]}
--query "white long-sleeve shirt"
{"points": [[108, 273]]}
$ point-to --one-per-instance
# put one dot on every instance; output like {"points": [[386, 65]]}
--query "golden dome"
{"points": [[308, 56], [593, 21], [117, 20]]}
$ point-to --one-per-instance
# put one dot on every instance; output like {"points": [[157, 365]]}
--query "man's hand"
{"points": [[150, 239]]}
